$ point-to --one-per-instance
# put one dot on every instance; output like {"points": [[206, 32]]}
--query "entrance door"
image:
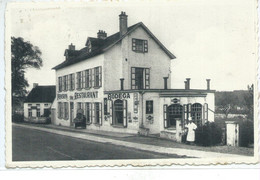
{"points": [[71, 113], [118, 112], [174, 112]]}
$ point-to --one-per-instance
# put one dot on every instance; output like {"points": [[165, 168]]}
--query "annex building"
{"points": [[37, 105], [123, 83]]}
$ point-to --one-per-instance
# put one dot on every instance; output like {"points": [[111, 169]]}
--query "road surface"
{"points": [[36, 145]]}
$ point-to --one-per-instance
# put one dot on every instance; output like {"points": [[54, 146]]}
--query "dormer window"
{"points": [[89, 47], [139, 45]]}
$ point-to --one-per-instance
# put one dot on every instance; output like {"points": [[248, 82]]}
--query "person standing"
{"points": [[191, 131]]}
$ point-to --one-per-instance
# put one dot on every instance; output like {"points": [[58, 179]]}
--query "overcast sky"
{"points": [[211, 39]]}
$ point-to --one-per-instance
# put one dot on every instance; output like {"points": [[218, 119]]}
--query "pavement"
{"points": [[128, 140]]}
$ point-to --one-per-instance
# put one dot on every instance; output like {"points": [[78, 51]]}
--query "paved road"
{"points": [[35, 145]]}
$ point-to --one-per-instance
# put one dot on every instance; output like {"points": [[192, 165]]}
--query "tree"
{"points": [[24, 55], [249, 102]]}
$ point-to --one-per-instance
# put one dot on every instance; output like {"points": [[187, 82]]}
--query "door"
{"points": [[71, 113], [118, 112], [174, 112], [139, 78]]}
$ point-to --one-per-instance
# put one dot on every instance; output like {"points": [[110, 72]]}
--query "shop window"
{"points": [[140, 78], [139, 45], [149, 107], [30, 112], [88, 78], [71, 82], [196, 113], [88, 112], [97, 76], [60, 84], [171, 114], [120, 113]]}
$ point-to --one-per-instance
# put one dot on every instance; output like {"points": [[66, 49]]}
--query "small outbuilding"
{"points": [[37, 106]]}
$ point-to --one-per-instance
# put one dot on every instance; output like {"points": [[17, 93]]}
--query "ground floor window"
{"points": [[196, 113], [66, 110], [88, 112], [30, 112], [38, 113], [97, 113], [173, 112], [119, 112]]}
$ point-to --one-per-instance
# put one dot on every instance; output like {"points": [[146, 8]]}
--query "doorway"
{"points": [[118, 112], [71, 113]]}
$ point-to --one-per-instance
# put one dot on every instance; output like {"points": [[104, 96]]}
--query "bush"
{"points": [[246, 133], [209, 134], [17, 117]]}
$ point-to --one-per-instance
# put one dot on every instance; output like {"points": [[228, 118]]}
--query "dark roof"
{"points": [[42, 94], [104, 45]]}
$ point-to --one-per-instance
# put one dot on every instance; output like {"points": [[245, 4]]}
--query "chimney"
{"points": [[71, 47], [122, 83], [188, 83], [101, 34], [122, 23], [185, 83], [165, 82], [35, 85], [208, 84]]}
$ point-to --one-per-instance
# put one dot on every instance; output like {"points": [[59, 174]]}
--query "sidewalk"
{"points": [[151, 144]]}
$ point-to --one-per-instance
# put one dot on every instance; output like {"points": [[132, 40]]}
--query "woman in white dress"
{"points": [[191, 131]]}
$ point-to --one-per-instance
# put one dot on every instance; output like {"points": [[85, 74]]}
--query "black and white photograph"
{"points": [[104, 84]]}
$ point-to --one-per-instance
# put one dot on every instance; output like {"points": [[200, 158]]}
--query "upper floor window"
{"points": [[65, 83], [71, 82], [140, 78], [97, 76], [88, 80], [79, 80], [139, 45], [60, 83]]}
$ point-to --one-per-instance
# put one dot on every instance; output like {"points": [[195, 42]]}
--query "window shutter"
{"points": [[100, 76], [165, 107], [73, 81], [90, 113], [133, 45], [205, 114], [133, 78], [93, 112], [69, 82], [184, 115], [93, 77], [147, 78], [145, 46], [111, 111], [125, 113], [100, 113], [77, 81], [83, 79], [90, 78]]}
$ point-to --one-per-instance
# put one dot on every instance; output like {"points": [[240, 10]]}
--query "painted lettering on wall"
{"points": [[118, 96], [86, 95], [62, 96]]}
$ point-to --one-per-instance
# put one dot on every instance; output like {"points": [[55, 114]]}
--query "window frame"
{"points": [[146, 107], [146, 78], [141, 43]]}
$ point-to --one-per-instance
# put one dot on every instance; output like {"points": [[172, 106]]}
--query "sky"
{"points": [[211, 39]]}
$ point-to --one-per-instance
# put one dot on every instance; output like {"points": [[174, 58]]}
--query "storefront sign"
{"points": [[118, 96], [62, 96], [86, 95]]}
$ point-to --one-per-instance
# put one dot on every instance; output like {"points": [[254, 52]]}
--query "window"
{"points": [[38, 106], [140, 78], [71, 82], [97, 76], [139, 45], [88, 112], [79, 105], [46, 105], [88, 78], [60, 110], [29, 105], [38, 113], [66, 110], [79, 80], [171, 113], [60, 84], [30, 112], [65, 83], [149, 107], [97, 116], [196, 113]]}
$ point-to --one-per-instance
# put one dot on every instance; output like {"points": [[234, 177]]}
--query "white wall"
{"points": [[42, 107]]}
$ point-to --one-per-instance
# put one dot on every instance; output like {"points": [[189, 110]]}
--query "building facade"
{"points": [[37, 106], [122, 83]]}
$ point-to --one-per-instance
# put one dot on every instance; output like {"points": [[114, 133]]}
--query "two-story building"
{"points": [[122, 82]]}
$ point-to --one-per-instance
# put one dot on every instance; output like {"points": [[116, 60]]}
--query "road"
{"points": [[36, 145]]}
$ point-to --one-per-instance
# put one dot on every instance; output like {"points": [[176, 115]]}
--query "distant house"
{"points": [[38, 103]]}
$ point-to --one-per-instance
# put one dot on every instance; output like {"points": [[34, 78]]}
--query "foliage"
{"points": [[24, 55], [16, 117], [246, 133], [208, 135]]}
